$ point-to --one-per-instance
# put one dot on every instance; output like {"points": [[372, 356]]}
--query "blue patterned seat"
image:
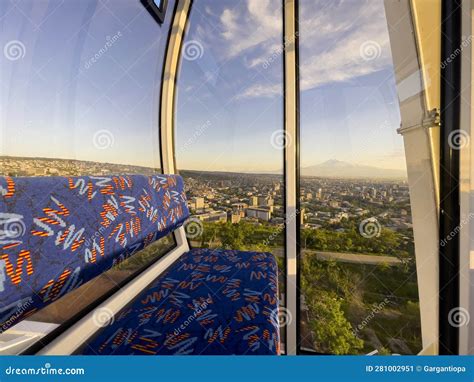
{"points": [[209, 302], [57, 233]]}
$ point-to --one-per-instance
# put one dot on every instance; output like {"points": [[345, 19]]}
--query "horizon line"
{"points": [[261, 172]]}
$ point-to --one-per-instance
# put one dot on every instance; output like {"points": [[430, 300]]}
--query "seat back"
{"points": [[56, 233]]}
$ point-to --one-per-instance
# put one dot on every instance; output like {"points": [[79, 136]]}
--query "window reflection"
{"points": [[230, 126], [80, 96]]}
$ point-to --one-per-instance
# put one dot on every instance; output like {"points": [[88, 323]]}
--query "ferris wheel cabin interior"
{"points": [[236, 177]]}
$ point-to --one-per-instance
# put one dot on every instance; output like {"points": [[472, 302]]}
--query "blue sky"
{"points": [[230, 103], [55, 102], [349, 106]]}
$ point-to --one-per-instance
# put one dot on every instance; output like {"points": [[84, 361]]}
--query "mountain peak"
{"points": [[334, 168], [335, 163]]}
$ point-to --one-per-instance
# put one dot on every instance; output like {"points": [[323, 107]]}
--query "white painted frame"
{"points": [[419, 129], [291, 108], [168, 98]]}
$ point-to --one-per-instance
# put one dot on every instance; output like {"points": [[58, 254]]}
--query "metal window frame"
{"points": [[168, 98], [466, 261], [157, 12], [291, 170], [449, 220]]}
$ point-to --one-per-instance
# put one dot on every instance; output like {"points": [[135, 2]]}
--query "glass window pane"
{"points": [[80, 88], [358, 278], [80, 94], [229, 134]]}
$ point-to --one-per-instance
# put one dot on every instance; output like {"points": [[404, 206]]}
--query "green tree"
{"points": [[332, 332], [232, 236]]}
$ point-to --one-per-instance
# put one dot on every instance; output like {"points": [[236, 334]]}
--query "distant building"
{"points": [[361, 212], [265, 201], [235, 218], [323, 214], [213, 216], [278, 221], [52, 171], [259, 213], [254, 201], [197, 203], [342, 215], [319, 194], [239, 209]]}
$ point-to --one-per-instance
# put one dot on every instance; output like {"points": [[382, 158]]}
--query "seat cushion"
{"points": [[209, 302], [57, 233]]}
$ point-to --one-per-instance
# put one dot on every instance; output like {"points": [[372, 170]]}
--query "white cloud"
{"points": [[256, 26], [332, 34], [261, 90], [331, 43]]}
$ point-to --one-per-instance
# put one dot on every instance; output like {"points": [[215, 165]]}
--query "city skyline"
{"points": [[338, 169]]}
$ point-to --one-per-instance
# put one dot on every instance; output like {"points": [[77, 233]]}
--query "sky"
{"points": [[58, 102], [81, 80]]}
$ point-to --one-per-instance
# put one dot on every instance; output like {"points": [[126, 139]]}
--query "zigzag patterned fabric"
{"points": [[210, 302], [57, 233]]}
